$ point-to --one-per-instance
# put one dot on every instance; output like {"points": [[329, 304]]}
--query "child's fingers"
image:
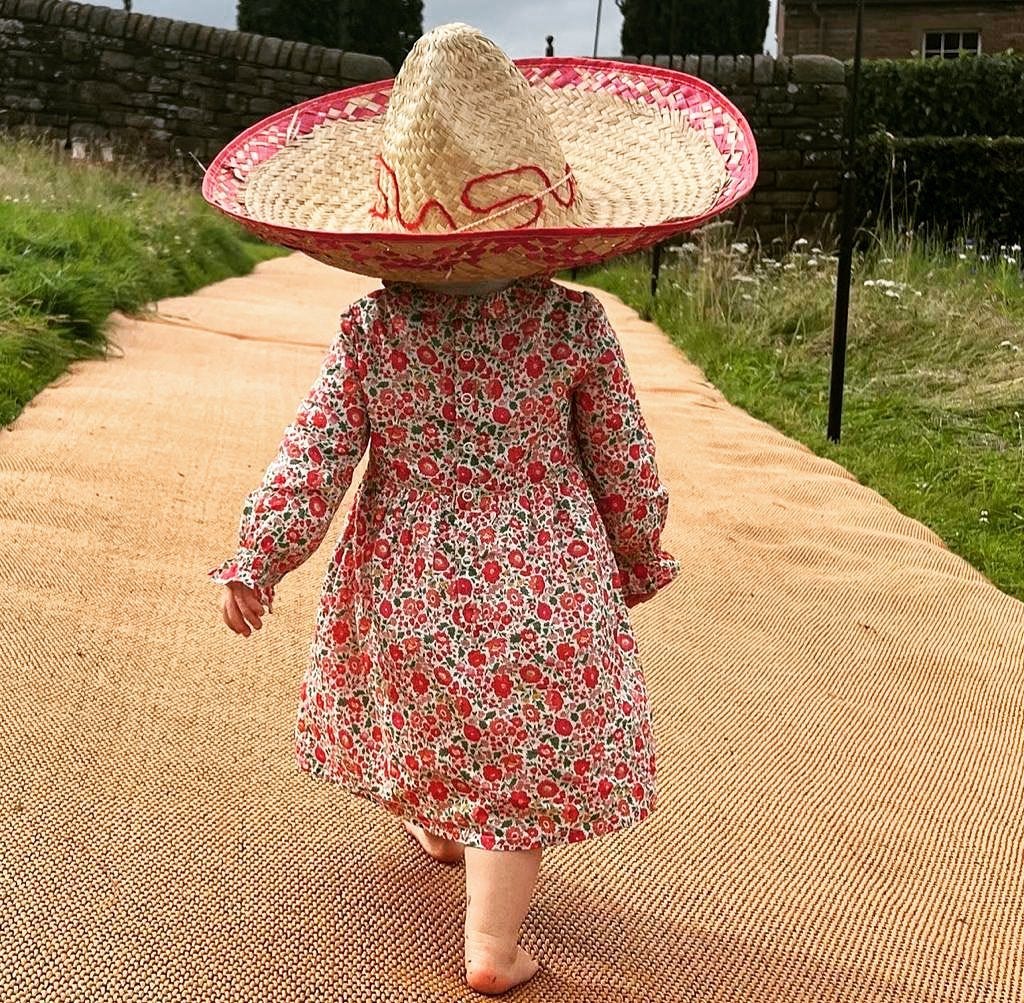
{"points": [[251, 607], [232, 614]]}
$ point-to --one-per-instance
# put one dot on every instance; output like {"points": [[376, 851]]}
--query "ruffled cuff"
{"points": [[250, 569], [649, 575]]}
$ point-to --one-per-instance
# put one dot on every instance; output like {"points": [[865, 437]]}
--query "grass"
{"points": [[79, 240], [933, 398]]}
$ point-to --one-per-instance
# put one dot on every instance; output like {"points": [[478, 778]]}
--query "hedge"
{"points": [[947, 185], [972, 95]]}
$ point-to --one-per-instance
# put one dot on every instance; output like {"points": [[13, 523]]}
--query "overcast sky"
{"points": [[518, 27]]}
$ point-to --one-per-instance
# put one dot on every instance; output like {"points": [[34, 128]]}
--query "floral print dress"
{"points": [[473, 667]]}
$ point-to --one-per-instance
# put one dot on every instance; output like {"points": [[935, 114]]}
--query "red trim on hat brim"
{"points": [[328, 238]]}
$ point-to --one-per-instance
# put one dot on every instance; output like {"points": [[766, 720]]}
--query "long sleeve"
{"points": [[618, 456], [285, 519]]}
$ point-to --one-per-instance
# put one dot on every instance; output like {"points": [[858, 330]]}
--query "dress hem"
{"points": [[474, 837]]}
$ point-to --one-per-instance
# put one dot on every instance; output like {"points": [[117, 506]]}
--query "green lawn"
{"points": [[934, 389], [80, 240]]}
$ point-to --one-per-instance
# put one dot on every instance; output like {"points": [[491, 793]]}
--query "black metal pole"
{"points": [[655, 268], [656, 255], [597, 27], [844, 267]]}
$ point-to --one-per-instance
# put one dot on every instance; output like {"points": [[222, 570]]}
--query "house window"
{"points": [[949, 44]]}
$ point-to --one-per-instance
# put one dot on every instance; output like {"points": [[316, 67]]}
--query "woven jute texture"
{"points": [[838, 703]]}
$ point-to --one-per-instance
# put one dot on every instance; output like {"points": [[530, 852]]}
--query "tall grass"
{"points": [[79, 240], [934, 388]]}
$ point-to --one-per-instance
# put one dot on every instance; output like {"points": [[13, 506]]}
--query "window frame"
{"points": [[941, 52]]}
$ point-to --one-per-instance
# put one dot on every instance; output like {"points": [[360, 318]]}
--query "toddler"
{"points": [[474, 670]]}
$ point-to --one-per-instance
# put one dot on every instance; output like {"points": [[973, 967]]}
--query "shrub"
{"points": [[944, 184], [973, 95]]}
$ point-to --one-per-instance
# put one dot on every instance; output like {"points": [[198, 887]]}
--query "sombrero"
{"points": [[469, 166]]}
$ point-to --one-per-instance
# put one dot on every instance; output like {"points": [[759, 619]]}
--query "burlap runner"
{"points": [[838, 700]]}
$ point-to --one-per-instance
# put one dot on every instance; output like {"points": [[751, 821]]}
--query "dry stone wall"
{"points": [[152, 86]]}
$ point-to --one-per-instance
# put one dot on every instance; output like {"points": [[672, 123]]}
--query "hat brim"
{"points": [[469, 255]]}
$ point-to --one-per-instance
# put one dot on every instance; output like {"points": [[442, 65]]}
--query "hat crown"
{"points": [[466, 143]]}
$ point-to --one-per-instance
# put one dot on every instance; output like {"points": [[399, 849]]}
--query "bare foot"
{"points": [[447, 851], [492, 968]]}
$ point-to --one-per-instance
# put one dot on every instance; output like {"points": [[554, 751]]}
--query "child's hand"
{"points": [[632, 601], [240, 607]]}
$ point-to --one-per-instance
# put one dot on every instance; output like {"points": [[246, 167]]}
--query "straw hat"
{"points": [[469, 166]]}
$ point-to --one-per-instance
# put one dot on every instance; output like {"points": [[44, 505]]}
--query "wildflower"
{"points": [[740, 247], [801, 242], [743, 277]]}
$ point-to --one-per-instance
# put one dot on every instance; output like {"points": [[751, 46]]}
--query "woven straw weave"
{"points": [[460, 115], [636, 170], [838, 699]]}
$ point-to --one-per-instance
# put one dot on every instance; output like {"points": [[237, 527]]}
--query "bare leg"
{"points": [[499, 885]]}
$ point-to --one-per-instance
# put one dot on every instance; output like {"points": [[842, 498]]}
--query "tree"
{"points": [[385, 28], [693, 27], [313, 21]]}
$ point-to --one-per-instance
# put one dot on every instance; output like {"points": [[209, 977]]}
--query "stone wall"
{"points": [[796, 109], [151, 86]]}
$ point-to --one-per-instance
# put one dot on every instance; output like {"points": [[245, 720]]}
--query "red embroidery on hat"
{"points": [[385, 212], [383, 209], [538, 200]]}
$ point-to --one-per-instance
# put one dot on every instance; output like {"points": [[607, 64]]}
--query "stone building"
{"points": [[901, 29]]}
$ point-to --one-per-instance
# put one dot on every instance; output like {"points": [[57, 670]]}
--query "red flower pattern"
{"points": [[473, 666]]}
